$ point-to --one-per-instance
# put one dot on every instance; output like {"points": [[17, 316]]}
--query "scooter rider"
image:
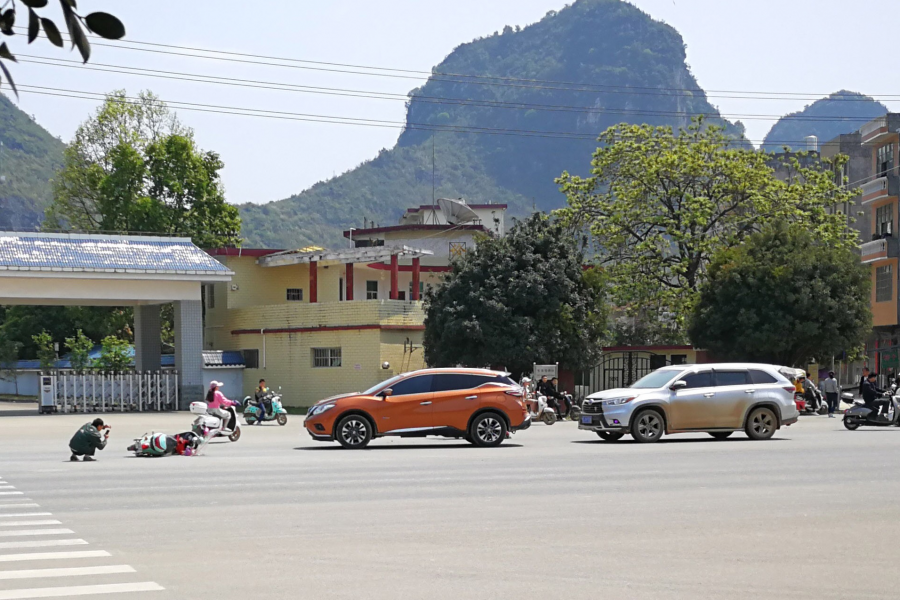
{"points": [[262, 401], [872, 394], [216, 402], [546, 389]]}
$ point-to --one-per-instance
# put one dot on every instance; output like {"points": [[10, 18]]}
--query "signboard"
{"points": [[549, 371]]}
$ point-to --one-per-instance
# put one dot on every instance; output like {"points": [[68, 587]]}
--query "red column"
{"points": [[348, 282], [313, 281], [415, 279], [395, 273]]}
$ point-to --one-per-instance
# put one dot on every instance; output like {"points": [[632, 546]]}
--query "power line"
{"points": [[344, 120], [350, 93], [476, 79]]}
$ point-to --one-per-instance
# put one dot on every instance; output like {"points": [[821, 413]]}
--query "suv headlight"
{"points": [[617, 401], [319, 409]]}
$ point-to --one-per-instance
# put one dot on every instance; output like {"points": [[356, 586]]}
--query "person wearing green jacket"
{"points": [[88, 440]]}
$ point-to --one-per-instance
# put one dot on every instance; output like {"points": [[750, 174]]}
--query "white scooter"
{"points": [[537, 404], [210, 426]]}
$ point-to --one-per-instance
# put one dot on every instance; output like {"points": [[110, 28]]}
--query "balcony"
{"points": [[879, 250], [880, 189], [875, 130], [324, 316]]}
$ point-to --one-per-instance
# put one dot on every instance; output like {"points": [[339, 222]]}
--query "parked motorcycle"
{"points": [[537, 405], [253, 409], [210, 426], [160, 444], [861, 415], [818, 406]]}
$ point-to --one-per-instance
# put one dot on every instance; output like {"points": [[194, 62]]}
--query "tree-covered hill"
{"points": [[599, 62], [854, 108], [29, 158]]}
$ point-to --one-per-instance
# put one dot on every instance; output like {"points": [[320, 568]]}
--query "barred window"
{"points": [[372, 290], [295, 295], [884, 285], [326, 357], [251, 359]]}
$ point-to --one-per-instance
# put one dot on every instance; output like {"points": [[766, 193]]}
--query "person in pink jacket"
{"points": [[216, 402]]}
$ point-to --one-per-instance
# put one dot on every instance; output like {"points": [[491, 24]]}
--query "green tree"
{"points": [[9, 355], [784, 296], [46, 351], [115, 355], [133, 167], [659, 205], [516, 300], [80, 347], [21, 322]]}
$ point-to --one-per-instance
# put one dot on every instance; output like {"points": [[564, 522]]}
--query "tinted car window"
{"points": [[731, 378], [458, 381], [413, 385], [758, 377], [698, 380]]}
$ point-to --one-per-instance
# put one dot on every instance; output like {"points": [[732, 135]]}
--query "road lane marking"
{"points": [[29, 523], [35, 532], [31, 514], [81, 590], [7, 487], [41, 544], [11, 493], [53, 555], [29, 505], [65, 572]]}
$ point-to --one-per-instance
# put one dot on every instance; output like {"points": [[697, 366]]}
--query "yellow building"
{"points": [[323, 322]]}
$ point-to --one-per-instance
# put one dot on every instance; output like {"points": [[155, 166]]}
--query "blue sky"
{"points": [[810, 46]]}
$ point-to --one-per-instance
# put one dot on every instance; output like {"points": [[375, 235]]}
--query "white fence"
{"points": [[114, 392]]}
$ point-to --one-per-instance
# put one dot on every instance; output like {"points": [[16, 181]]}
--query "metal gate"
{"points": [[622, 369], [115, 392]]}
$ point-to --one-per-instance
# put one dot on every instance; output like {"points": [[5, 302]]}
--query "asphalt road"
{"points": [[554, 513]]}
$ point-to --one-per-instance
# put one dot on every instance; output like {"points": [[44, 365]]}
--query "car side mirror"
{"points": [[387, 392], [678, 385]]}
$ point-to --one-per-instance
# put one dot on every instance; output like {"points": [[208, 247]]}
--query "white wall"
{"points": [[28, 384], [232, 378]]}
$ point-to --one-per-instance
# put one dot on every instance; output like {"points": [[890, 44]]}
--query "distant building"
{"points": [[321, 322]]}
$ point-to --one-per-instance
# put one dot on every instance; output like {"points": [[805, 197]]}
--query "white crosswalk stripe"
{"points": [[32, 552]]}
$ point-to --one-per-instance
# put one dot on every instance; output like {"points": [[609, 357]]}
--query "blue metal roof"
{"points": [[104, 253]]}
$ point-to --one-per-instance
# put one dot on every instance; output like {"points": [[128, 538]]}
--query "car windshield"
{"points": [[383, 385], [656, 379]]}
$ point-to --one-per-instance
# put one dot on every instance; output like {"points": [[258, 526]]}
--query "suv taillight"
{"points": [[789, 388]]}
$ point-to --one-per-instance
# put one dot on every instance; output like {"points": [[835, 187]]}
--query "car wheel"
{"points": [[610, 436], [761, 424], [354, 432], [488, 430], [282, 419], [647, 426], [721, 435], [548, 418], [851, 423]]}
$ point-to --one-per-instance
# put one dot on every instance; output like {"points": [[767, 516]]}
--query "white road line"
{"points": [[35, 532], [65, 572], [7, 487], [29, 523], [32, 514], [41, 544], [81, 590], [53, 555], [10, 493], [29, 505]]}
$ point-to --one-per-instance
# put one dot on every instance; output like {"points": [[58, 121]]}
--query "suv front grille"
{"points": [[592, 409]]}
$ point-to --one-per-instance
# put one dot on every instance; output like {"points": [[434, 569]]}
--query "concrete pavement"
{"points": [[554, 513]]}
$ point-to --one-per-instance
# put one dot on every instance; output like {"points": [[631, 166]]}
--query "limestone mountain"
{"points": [[840, 112], [29, 157], [508, 114]]}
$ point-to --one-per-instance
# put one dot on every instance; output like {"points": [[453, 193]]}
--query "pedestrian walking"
{"points": [[832, 391], [87, 440]]}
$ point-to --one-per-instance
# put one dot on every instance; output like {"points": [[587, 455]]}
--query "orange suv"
{"points": [[479, 405]]}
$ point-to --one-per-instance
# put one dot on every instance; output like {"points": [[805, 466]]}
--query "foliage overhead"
{"points": [[20, 322], [46, 351], [79, 347], [819, 119], [103, 24], [115, 355], [659, 205], [517, 300], [608, 45], [783, 297]]}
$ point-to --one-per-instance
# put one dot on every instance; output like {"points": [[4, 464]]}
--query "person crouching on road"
{"points": [[87, 440], [832, 393], [216, 402]]}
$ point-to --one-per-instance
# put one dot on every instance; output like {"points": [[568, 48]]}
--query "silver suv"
{"points": [[718, 399]]}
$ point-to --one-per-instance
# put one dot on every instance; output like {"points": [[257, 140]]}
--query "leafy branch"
{"points": [[100, 23]]}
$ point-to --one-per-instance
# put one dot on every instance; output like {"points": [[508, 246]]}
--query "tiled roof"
{"points": [[222, 358], [104, 253]]}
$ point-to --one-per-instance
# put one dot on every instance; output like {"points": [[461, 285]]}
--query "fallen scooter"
{"points": [[861, 415], [210, 426], [160, 444]]}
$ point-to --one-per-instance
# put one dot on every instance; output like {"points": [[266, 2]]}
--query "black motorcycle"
{"points": [[861, 415]]}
